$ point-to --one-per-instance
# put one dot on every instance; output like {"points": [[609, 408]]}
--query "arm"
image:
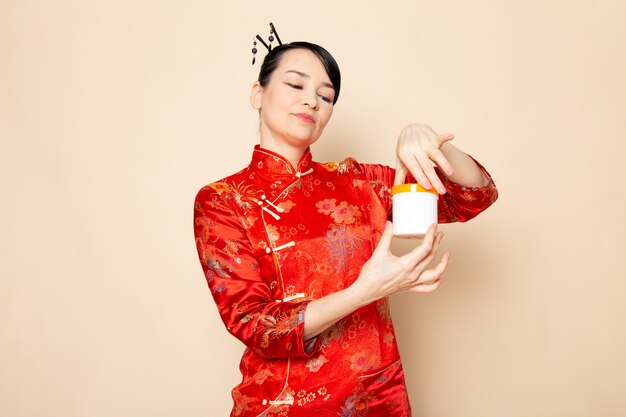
{"points": [[460, 203], [382, 275], [419, 147], [277, 329], [465, 187], [244, 300]]}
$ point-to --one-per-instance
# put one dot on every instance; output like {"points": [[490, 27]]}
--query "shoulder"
{"points": [[225, 185], [347, 166], [374, 174], [222, 192]]}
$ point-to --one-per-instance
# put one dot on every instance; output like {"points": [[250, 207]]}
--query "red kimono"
{"points": [[272, 238]]}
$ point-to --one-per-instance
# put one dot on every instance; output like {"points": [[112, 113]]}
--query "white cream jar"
{"points": [[414, 210]]}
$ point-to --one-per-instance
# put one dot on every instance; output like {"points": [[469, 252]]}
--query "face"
{"points": [[296, 104]]}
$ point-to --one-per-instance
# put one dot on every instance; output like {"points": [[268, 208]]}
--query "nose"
{"points": [[310, 100]]}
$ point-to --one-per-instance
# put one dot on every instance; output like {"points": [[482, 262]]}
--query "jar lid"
{"points": [[411, 188]]}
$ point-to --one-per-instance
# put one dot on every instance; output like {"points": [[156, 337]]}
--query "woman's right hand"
{"points": [[385, 274]]}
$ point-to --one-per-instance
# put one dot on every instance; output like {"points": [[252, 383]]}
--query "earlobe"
{"points": [[256, 94]]}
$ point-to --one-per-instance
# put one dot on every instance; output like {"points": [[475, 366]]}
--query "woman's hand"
{"points": [[418, 148], [385, 274], [382, 275]]}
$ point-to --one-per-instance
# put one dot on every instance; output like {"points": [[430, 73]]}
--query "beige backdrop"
{"points": [[113, 114]]}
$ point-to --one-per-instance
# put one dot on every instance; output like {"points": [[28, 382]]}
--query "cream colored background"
{"points": [[113, 114]]}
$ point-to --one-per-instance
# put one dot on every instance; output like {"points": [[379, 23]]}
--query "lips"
{"points": [[307, 118]]}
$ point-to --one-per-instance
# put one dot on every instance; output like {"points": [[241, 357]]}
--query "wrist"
{"points": [[357, 296]]}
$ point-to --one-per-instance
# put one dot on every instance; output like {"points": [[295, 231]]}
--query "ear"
{"points": [[256, 95]]}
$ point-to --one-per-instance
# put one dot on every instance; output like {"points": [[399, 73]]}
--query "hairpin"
{"points": [[267, 46]]}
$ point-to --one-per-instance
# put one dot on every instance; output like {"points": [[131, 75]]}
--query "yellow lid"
{"points": [[411, 188]]}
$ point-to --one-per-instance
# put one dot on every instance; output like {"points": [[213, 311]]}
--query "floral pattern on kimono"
{"points": [[271, 238]]}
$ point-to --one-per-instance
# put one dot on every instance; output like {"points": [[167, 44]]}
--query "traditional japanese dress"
{"points": [[271, 238]]}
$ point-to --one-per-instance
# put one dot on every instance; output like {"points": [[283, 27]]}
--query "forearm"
{"points": [[466, 172], [322, 313], [382, 275]]}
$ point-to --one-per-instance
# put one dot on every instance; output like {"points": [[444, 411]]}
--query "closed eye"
{"points": [[326, 99], [300, 87]]}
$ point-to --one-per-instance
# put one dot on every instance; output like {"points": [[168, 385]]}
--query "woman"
{"points": [[296, 253]]}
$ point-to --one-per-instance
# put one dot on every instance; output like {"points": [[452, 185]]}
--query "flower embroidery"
{"points": [[232, 247], [219, 266], [468, 195], [357, 404], [262, 375], [325, 269], [272, 233], [248, 220], [286, 206], [358, 183], [364, 361], [326, 206], [221, 187], [345, 213], [273, 327], [241, 402], [334, 216], [340, 213], [382, 307], [314, 364], [305, 397], [288, 232], [342, 245]]}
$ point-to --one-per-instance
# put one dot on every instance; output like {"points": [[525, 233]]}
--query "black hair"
{"points": [[272, 59]]}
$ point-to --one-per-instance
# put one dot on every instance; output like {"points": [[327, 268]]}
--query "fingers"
{"points": [[438, 156], [427, 288], [423, 264], [420, 252], [427, 167], [442, 162], [431, 279], [385, 274], [443, 138], [401, 171], [431, 275], [419, 161], [385, 240], [409, 162]]}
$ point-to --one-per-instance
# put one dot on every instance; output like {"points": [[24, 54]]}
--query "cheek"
{"points": [[326, 116], [272, 97]]}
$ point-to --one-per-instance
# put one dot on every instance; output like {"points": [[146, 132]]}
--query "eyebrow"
{"points": [[305, 75]]}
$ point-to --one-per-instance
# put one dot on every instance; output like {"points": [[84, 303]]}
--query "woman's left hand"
{"points": [[418, 148]]}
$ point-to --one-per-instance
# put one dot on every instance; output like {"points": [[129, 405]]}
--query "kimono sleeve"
{"points": [[272, 328], [459, 204]]}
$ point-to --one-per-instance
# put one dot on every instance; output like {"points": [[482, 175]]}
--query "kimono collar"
{"points": [[268, 162]]}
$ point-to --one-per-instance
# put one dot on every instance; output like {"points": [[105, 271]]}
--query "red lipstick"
{"points": [[307, 118]]}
